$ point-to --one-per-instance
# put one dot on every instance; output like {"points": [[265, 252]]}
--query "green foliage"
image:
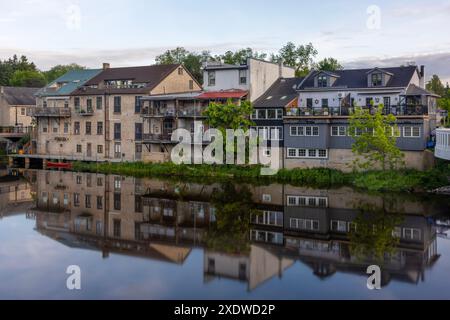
{"points": [[373, 181], [229, 116], [299, 57], [435, 85], [329, 64], [191, 60], [28, 78], [59, 70], [10, 66], [374, 139], [240, 56], [372, 235]]}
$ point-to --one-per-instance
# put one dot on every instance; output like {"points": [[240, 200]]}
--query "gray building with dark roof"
{"points": [[316, 126]]}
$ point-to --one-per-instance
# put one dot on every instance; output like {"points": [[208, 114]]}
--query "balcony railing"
{"points": [[190, 113], [152, 112], [85, 112], [50, 112], [399, 110], [15, 130]]}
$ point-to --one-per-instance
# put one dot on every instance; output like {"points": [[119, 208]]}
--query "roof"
{"points": [[224, 66], [68, 83], [224, 94], [357, 78], [175, 96], [414, 90], [283, 91], [150, 76], [20, 96]]}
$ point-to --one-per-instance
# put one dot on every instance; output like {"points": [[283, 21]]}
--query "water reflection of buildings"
{"points": [[15, 195], [165, 221]]}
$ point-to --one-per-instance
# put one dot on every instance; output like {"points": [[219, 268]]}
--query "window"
{"points": [[117, 104], [322, 81], [99, 149], [79, 148], [338, 131], [99, 202], [412, 234], [79, 180], [243, 77], [98, 227], [262, 114], [89, 105], [76, 199], [280, 114], [99, 182], [77, 103], [340, 226], [180, 71], [87, 201], [369, 102], [138, 148], [76, 128], [308, 153], [138, 130], [66, 104], [377, 79], [66, 127], [117, 201], [117, 131], [99, 128], [191, 84], [271, 114], [411, 132], [304, 224], [211, 78], [117, 150], [324, 103], [305, 131], [99, 103], [22, 111], [137, 104], [138, 204], [309, 103], [88, 128], [116, 228]]}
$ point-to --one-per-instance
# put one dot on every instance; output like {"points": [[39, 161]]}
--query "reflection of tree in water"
{"points": [[372, 235], [233, 208]]}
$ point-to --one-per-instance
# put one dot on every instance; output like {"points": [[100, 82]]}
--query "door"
{"points": [[387, 105]]}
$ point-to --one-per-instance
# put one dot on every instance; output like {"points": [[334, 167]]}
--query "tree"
{"points": [[329, 64], [59, 70], [229, 115], [10, 66], [375, 137], [435, 85], [240, 56], [33, 79], [299, 57], [191, 60]]}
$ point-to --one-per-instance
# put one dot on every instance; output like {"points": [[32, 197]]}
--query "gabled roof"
{"points": [[379, 70], [68, 83], [283, 91], [19, 96], [357, 78], [414, 90], [148, 76]]}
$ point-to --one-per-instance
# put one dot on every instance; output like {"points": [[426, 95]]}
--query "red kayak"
{"points": [[59, 165]]}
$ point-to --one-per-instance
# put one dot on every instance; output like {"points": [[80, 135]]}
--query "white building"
{"points": [[255, 76]]}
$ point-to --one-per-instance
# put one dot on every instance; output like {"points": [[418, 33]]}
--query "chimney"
{"points": [[106, 66], [422, 76], [280, 68]]}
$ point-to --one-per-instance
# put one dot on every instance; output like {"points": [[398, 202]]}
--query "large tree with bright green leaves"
{"points": [[299, 57], [375, 138]]}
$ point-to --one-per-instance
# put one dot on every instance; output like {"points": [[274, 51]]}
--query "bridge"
{"points": [[442, 150]]}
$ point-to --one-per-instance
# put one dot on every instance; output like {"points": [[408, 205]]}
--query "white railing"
{"points": [[442, 150]]}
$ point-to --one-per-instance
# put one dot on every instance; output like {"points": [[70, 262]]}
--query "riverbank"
{"points": [[375, 181]]}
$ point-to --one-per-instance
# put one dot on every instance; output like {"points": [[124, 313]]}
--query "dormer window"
{"points": [[322, 81], [377, 79]]}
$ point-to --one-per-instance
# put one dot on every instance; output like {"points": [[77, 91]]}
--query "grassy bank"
{"points": [[385, 181]]}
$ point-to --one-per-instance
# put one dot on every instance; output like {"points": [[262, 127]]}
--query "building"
{"points": [[163, 114], [101, 119], [316, 132], [270, 110], [15, 121], [254, 75]]}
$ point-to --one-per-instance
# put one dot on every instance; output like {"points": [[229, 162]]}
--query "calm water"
{"points": [[152, 239]]}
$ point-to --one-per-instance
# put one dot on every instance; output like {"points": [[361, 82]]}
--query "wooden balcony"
{"points": [[14, 132], [50, 112]]}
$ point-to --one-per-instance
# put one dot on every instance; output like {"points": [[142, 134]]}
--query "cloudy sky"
{"points": [[358, 33]]}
